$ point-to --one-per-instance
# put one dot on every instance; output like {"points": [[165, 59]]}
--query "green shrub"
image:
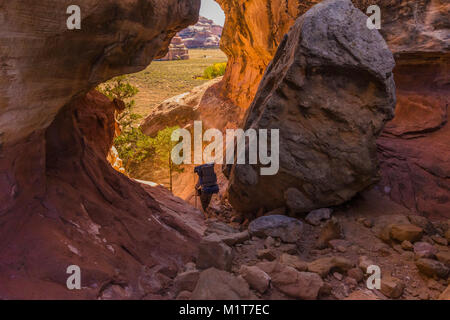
{"points": [[214, 71]]}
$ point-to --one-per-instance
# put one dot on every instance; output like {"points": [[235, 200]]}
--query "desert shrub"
{"points": [[214, 71]]}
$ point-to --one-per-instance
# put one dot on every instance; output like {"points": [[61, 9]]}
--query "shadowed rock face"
{"points": [[329, 90], [61, 203], [44, 65]]}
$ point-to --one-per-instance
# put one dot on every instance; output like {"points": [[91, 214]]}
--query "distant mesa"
{"points": [[204, 34], [177, 50]]}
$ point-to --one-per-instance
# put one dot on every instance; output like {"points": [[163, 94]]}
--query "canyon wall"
{"points": [[414, 149], [61, 203]]}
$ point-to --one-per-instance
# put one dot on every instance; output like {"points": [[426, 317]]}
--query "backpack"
{"points": [[207, 178]]}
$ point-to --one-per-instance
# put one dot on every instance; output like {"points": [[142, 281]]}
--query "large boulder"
{"points": [[329, 90]]}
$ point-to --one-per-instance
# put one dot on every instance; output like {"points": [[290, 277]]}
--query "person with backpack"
{"points": [[206, 185]]}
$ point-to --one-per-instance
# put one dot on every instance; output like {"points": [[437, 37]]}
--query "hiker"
{"points": [[206, 185]]}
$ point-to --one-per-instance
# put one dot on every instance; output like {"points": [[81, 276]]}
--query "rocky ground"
{"points": [[323, 255]]}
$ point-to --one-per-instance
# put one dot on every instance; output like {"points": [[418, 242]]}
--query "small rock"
{"points": [[432, 268], [423, 223], [331, 230], [215, 284], [296, 284], [293, 261], [336, 243], [439, 240], [392, 287], [212, 252], [232, 239], [189, 266], [444, 257], [406, 245], [324, 266], [287, 229], [424, 250], [256, 278], [219, 228], [356, 274], [408, 255], [186, 281], [338, 276], [317, 216], [364, 262], [266, 254], [402, 232]]}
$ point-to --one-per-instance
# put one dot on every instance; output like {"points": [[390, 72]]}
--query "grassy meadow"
{"points": [[164, 79]]}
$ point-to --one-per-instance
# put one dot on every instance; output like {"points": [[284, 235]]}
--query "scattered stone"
{"points": [[338, 276], [186, 281], [215, 284], [266, 254], [432, 268], [402, 232], [439, 240], [287, 229], [406, 245], [219, 228], [364, 262], [338, 243], [296, 284], [256, 278], [324, 266], [330, 231], [212, 252], [326, 289], [424, 250], [317, 216], [293, 261], [444, 257], [190, 266], [423, 223], [232, 239], [356, 274], [392, 287], [445, 295], [383, 224]]}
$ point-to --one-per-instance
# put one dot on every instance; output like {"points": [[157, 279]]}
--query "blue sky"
{"points": [[211, 10]]}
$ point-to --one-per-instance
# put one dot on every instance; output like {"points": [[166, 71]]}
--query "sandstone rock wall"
{"points": [[253, 30], [61, 203]]}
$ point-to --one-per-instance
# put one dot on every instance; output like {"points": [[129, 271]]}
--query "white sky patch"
{"points": [[211, 10]]}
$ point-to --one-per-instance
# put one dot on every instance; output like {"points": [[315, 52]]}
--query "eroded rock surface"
{"points": [[61, 203], [329, 90]]}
